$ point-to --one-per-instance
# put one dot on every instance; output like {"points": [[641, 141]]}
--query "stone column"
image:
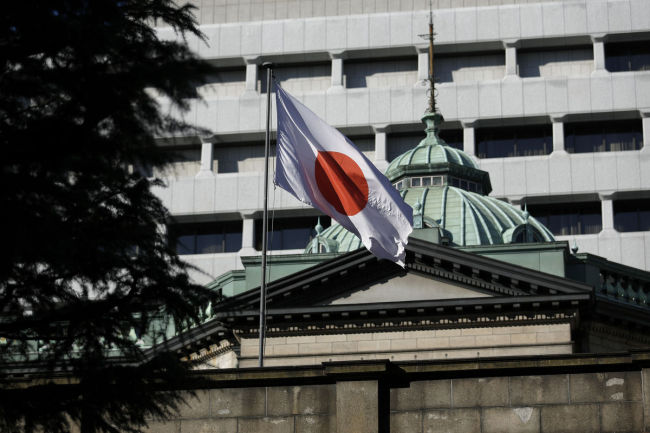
{"points": [[251, 74], [362, 395], [423, 66], [598, 42], [381, 151], [607, 210], [337, 70], [511, 58], [248, 234], [360, 407], [645, 124], [558, 133], [645, 395], [609, 240], [206, 160], [469, 138]]}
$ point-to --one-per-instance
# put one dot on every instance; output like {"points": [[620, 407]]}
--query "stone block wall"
{"points": [[544, 339], [581, 402], [277, 409], [549, 394]]}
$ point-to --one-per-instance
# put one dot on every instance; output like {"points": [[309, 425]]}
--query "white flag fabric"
{"points": [[322, 168]]}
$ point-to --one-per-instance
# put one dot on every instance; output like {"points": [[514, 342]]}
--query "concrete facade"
{"points": [[361, 65]]}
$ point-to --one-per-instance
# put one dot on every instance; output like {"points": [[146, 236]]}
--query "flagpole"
{"points": [[265, 217]]}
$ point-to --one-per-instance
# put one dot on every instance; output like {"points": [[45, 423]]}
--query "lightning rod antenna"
{"points": [[431, 78], [432, 99]]}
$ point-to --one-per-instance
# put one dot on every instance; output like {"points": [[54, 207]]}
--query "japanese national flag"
{"points": [[321, 167]]}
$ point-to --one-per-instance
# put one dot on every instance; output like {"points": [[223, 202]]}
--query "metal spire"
{"points": [[432, 84]]}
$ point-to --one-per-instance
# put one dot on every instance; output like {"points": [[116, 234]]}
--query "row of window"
{"points": [[206, 238], [586, 218], [295, 233], [579, 137], [531, 140], [289, 233], [569, 218], [226, 236], [496, 142], [422, 181], [507, 142], [450, 67]]}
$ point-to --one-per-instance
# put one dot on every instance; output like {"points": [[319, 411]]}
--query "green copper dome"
{"points": [[448, 193], [434, 157], [431, 151], [429, 155]]}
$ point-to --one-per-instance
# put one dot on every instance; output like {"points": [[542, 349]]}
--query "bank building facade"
{"points": [[524, 302]]}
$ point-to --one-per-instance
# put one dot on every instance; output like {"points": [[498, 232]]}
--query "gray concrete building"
{"points": [[551, 98]]}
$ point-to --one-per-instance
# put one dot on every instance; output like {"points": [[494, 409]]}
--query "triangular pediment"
{"points": [[406, 287], [438, 286], [432, 273]]}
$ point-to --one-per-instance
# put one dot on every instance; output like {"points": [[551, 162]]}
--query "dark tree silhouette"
{"points": [[87, 269]]}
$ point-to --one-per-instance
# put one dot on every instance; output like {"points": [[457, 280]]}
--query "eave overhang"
{"points": [[468, 312]]}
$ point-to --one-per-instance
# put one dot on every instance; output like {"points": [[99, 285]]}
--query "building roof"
{"points": [[492, 286], [431, 152], [356, 292]]}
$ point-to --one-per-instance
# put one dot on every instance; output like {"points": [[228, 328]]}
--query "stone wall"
{"points": [[552, 394], [589, 402], [543, 339], [276, 409]]}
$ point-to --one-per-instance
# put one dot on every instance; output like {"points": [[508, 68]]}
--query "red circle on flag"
{"points": [[341, 182]]}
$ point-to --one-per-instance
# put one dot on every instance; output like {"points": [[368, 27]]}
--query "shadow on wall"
{"points": [[299, 78], [240, 158], [572, 62], [377, 73], [469, 67]]}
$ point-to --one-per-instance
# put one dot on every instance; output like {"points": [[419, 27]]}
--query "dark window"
{"points": [[206, 238], [506, 142], [632, 215], [144, 170], [608, 136], [569, 218], [453, 137], [627, 56], [289, 233]]}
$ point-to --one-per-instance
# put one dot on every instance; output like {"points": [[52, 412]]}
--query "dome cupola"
{"points": [[433, 163]]}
